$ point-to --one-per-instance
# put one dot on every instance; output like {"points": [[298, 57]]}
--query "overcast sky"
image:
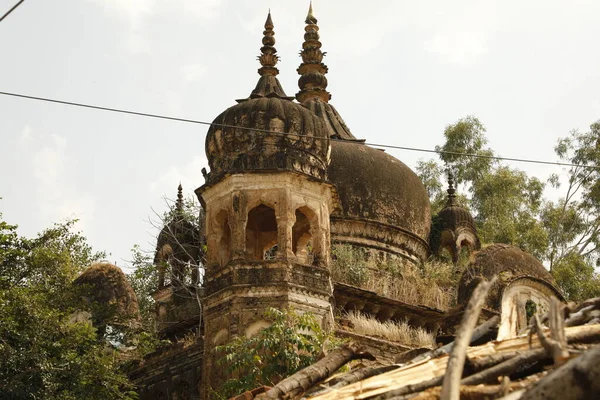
{"points": [[399, 72]]}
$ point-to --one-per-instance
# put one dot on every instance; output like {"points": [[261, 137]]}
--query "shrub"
{"points": [[293, 341]]}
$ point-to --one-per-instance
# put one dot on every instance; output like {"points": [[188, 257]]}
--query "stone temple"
{"points": [[288, 180]]}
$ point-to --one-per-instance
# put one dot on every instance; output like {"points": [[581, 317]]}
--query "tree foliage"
{"points": [[574, 220], [509, 206], [44, 352], [466, 136], [291, 342]]}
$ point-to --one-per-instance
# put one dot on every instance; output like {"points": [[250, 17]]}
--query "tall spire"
{"points": [[312, 71], [179, 203], [451, 191], [268, 58], [268, 85]]}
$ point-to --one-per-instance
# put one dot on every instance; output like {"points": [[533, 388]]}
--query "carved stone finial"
{"points": [[179, 203], [312, 71], [268, 85], [451, 191], [268, 58]]}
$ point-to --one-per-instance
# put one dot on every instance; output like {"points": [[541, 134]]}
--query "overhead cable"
{"points": [[11, 10], [385, 146]]}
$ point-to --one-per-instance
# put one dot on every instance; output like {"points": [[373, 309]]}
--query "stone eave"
{"points": [[350, 297]]}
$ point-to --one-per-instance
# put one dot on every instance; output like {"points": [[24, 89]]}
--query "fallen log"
{"points": [[556, 344], [294, 386], [506, 367], [476, 364], [479, 392], [349, 378], [456, 360], [478, 333], [416, 374], [410, 389], [579, 378]]}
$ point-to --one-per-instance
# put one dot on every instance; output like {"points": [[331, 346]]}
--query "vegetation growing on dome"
{"points": [[432, 284]]}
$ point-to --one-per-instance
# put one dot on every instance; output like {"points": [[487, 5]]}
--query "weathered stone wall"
{"points": [[173, 373]]}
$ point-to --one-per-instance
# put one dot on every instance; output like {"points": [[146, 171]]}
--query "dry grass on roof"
{"points": [[433, 284], [394, 331]]}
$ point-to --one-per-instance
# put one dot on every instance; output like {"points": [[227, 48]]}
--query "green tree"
{"points": [[576, 277], [293, 341], [466, 136], [573, 222], [144, 281], [505, 202], [431, 174], [44, 352]]}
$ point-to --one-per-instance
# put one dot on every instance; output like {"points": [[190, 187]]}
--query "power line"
{"points": [[386, 146], [11, 10]]}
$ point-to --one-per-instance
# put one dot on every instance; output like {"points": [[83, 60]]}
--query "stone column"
{"points": [[237, 225], [286, 218], [212, 240]]}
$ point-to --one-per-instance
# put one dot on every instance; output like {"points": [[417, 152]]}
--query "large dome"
{"points": [[377, 188]]}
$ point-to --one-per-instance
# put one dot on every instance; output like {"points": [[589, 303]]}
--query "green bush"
{"points": [[293, 341]]}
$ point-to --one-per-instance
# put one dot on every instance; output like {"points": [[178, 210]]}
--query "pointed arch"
{"points": [[261, 231]]}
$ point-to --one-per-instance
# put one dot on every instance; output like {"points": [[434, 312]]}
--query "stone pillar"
{"points": [[286, 218], [238, 221]]}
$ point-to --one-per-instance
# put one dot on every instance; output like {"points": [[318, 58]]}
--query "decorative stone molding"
{"points": [[379, 236]]}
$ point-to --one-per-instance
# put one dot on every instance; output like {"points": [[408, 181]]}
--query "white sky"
{"points": [[399, 73]]}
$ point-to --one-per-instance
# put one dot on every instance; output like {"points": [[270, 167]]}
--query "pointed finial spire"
{"points": [[312, 71], [179, 203], [268, 58], [451, 191], [268, 85], [310, 18]]}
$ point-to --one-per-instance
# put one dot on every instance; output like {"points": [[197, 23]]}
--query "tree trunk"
{"points": [[294, 386]]}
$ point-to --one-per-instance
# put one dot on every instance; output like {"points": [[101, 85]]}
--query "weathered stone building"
{"points": [[288, 179]]}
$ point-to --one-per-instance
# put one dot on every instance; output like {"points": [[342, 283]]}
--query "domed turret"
{"points": [[454, 228], [267, 131], [110, 296], [268, 204], [524, 286]]}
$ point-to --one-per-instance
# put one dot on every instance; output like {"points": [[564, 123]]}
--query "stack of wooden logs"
{"points": [[558, 359]]}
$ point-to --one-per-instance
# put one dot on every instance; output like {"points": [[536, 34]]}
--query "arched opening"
{"points": [[261, 231], [302, 236], [224, 243], [163, 256], [530, 309]]}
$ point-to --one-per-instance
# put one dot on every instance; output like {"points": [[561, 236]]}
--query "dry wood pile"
{"points": [[558, 359]]}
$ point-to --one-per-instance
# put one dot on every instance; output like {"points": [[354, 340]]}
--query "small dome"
{"points": [[454, 227], [508, 263], [238, 142], [455, 216], [373, 185], [108, 285]]}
